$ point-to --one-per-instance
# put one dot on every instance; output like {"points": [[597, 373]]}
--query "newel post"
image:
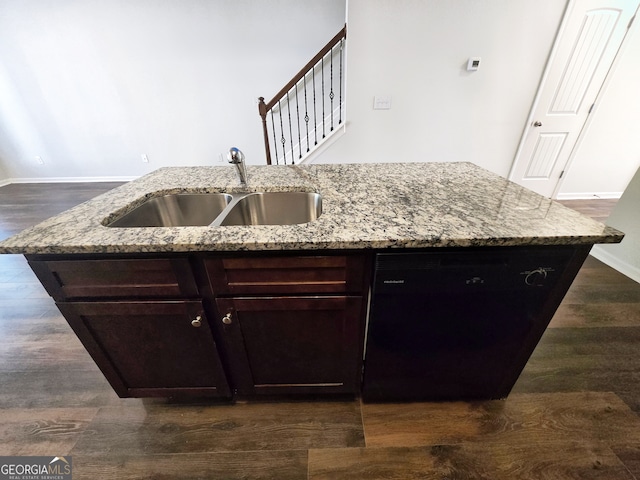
{"points": [[262, 109]]}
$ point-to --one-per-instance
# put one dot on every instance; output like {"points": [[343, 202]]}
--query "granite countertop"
{"points": [[365, 206]]}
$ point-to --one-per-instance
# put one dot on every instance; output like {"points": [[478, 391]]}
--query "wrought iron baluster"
{"points": [[306, 111], [315, 117], [275, 141], [340, 104], [331, 94], [290, 131], [298, 120], [282, 139], [323, 101]]}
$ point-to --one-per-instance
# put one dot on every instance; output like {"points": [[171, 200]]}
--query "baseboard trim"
{"points": [[614, 262], [589, 196], [66, 180]]}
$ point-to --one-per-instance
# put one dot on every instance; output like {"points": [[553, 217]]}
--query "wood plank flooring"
{"points": [[573, 413]]}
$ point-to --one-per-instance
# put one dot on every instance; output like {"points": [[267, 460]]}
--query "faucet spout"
{"points": [[236, 157]]}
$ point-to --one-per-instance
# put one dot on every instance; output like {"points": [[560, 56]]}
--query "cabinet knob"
{"points": [[196, 322], [227, 319]]}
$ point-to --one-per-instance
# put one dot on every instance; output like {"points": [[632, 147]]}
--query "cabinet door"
{"points": [[293, 344], [154, 348]]}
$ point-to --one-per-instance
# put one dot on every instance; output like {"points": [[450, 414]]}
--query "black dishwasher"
{"points": [[457, 324]]}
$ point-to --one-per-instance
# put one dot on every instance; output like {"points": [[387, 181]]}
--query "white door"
{"points": [[589, 38]]}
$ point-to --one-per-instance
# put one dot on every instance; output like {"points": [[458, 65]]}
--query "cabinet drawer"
{"points": [[286, 274], [116, 278]]}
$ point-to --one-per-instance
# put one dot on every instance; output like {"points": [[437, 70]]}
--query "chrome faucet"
{"points": [[236, 157]]}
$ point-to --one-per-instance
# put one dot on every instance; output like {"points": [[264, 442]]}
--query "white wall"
{"points": [[609, 153], [624, 256], [90, 85], [416, 51]]}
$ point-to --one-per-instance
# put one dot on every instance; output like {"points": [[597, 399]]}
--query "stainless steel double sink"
{"points": [[222, 209]]}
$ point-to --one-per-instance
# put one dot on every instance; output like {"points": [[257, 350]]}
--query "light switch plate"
{"points": [[382, 102]]}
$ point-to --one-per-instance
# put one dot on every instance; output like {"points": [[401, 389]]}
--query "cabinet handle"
{"points": [[197, 322], [227, 319]]}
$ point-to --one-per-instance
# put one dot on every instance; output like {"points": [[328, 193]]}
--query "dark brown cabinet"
{"points": [[150, 348], [291, 324], [214, 325], [258, 323], [106, 277], [293, 344], [286, 274], [141, 320]]}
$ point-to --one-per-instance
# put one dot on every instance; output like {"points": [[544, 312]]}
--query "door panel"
{"points": [[294, 344], [591, 34], [545, 153], [152, 348], [595, 37]]}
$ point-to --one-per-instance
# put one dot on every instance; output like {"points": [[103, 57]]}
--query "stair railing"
{"points": [[305, 94]]}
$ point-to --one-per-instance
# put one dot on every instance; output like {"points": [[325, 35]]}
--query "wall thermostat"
{"points": [[473, 64]]}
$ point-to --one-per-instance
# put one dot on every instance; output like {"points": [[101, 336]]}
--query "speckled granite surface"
{"points": [[411, 205]]}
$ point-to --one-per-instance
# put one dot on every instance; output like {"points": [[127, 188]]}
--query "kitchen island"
{"points": [[281, 309]]}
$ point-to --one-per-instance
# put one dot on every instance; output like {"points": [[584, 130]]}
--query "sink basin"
{"points": [[176, 210], [215, 209], [274, 208]]}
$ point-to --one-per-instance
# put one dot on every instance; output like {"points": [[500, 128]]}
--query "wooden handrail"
{"points": [[265, 107], [300, 75]]}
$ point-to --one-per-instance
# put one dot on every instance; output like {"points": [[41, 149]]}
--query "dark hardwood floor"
{"points": [[572, 415]]}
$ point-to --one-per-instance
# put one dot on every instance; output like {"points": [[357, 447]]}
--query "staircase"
{"points": [[308, 110]]}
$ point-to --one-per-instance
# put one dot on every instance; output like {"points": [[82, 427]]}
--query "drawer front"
{"points": [[116, 278], [286, 275]]}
